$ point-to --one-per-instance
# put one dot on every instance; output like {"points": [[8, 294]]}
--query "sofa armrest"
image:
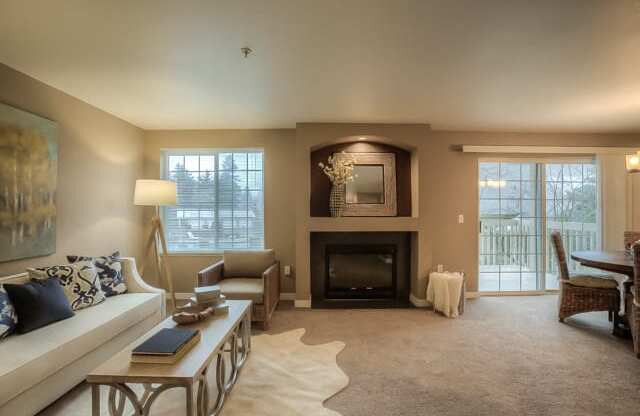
{"points": [[211, 275], [271, 278], [135, 283]]}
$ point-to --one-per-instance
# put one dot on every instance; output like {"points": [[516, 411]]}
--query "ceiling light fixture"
{"points": [[362, 138], [246, 51]]}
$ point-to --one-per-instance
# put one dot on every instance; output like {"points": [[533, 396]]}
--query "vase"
{"points": [[336, 200]]}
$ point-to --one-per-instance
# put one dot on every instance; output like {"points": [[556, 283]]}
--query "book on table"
{"points": [[207, 293], [211, 302], [167, 346]]}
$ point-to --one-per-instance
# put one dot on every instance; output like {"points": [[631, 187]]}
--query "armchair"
{"points": [[251, 275]]}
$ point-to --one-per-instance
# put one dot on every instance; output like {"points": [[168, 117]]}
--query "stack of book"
{"points": [[210, 297], [167, 346]]}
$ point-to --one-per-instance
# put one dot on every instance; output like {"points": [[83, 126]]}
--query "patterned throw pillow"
{"points": [[8, 315], [109, 270], [79, 280]]}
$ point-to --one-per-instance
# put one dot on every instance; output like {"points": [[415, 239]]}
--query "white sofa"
{"points": [[38, 367]]}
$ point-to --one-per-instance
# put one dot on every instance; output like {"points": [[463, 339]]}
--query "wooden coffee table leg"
{"points": [[95, 399], [191, 403], [203, 395]]}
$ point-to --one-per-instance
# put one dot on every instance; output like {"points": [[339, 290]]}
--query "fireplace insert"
{"points": [[360, 271]]}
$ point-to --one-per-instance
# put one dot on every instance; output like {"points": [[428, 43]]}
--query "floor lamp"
{"points": [[156, 193]]}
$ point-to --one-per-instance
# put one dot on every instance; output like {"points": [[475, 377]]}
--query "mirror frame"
{"points": [[390, 206]]}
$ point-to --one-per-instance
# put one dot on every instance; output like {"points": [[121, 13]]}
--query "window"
{"points": [[220, 200], [521, 204]]}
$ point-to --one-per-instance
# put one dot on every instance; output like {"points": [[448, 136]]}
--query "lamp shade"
{"points": [[154, 192], [633, 163]]}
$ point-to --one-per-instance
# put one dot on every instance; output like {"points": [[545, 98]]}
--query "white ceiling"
{"points": [[543, 65]]}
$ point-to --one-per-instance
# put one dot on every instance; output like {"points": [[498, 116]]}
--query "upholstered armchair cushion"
{"points": [[248, 288], [247, 263], [593, 281]]}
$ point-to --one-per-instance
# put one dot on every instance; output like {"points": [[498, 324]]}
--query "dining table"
{"points": [[618, 261]]}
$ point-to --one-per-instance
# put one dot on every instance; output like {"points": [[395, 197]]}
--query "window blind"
{"points": [[220, 200]]}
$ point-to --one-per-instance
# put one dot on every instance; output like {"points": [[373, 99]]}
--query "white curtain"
{"points": [[620, 206]]}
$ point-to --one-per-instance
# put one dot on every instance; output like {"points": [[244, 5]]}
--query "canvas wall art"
{"points": [[28, 183]]}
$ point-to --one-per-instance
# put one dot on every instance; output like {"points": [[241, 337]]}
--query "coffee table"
{"points": [[225, 336]]}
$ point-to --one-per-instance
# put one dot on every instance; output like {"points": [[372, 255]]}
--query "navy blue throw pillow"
{"points": [[38, 303]]}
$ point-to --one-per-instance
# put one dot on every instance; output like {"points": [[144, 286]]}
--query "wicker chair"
{"points": [[630, 237], [633, 302], [584, 292]]}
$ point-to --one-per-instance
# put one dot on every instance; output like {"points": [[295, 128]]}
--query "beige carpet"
{"points": [[282, 377], [506, 356]]}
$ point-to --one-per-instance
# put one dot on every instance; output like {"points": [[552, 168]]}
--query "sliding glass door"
{"points": [[521, 203], [571, 208]]}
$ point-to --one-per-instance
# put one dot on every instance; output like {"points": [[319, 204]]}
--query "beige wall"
{"points": [[99, 158], [446, 186], [279, 181], [452, 189]]}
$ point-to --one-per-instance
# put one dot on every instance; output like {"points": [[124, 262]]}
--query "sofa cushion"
{"points": [[43, 352], [247, 263], [8, 315], [593, 281], [243, 288], [79, 280], [38, 303], [109, 271]]}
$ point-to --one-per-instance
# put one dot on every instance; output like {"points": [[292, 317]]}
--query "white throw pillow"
{"points": [[79, 280]]}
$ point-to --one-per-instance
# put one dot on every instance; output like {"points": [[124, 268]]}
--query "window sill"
{"points": [[195, 253]]}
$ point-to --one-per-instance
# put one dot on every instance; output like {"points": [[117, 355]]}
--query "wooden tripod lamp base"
{"points": [[151, 192]]}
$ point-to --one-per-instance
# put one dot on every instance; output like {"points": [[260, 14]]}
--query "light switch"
{"points": [[287, 270], [460, 219]]}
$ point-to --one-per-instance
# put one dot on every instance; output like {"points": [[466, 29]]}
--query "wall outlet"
{"points": [[460, 219], [440, 268], [287, 270]]}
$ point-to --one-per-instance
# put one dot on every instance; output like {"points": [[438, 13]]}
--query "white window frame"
{"points": [[543, 161], [164, 169]]}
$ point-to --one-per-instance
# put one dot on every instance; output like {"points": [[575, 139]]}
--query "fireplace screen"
{"points": [[360, 271]]}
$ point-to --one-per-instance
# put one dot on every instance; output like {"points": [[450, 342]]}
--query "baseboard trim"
{"points": [[283, 296], [501, 294], [302, 303], [418, 302], [183, 295]]}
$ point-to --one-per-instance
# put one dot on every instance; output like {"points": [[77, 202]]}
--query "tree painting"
{"points": [[28, 182]]}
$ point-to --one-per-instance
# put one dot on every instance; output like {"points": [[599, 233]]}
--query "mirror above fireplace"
{"points": [[372, 193], [367, 186]]}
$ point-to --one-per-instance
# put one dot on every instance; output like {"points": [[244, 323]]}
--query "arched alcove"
{"points": [[321, 186]]}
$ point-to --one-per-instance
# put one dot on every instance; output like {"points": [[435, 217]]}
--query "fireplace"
{"points": [[360, 271], [355, 269]]}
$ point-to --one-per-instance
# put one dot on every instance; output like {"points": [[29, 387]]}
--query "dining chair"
{"points": [[632, 301], [583, 292], [630, 237]]}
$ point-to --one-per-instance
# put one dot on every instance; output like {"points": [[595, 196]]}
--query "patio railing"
{"points": [[514, 242]]}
